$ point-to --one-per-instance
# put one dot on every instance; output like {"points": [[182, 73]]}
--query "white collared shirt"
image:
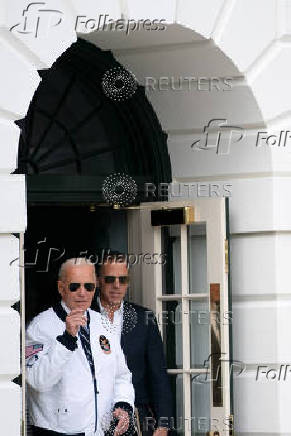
{"points": [[115, 325], [65, 307]]}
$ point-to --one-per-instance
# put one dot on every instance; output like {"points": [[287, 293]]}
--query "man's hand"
{"points": [[160, 431], [123, 423], [74, 320]]}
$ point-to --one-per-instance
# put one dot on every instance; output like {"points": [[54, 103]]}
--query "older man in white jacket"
{"points": [[78, 381]]}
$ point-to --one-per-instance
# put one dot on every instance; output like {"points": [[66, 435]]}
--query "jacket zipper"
{"points": [[95, 397], [92, 369]]}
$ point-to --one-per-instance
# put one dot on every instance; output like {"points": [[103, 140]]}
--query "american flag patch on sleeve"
{"points": [[31, 350]]}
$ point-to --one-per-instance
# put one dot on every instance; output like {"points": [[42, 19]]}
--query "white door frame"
{"points": [[147, 281]]}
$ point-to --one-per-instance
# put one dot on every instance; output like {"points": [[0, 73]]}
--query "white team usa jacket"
{"points": [[61, 394]]}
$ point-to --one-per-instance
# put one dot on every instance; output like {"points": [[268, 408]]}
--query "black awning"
{"points": [[75, 127]]}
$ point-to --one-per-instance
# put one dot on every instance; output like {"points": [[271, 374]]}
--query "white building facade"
{"points": [[244, 42]]}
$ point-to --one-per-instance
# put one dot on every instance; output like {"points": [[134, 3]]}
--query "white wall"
{"points": [[12, 220]]}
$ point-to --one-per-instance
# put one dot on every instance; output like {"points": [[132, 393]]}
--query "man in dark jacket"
{"points": [[141, 343]]}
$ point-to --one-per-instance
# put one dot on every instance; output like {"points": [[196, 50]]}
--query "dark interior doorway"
{"points": [[56, 233]]}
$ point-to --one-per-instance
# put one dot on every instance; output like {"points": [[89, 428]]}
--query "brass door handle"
{"points": [[215, 356]]}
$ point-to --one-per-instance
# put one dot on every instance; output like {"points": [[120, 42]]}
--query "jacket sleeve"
{"points": [[161, 395], [123, 387], [45, 357]]}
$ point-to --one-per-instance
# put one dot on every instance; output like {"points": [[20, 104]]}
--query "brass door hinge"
{"points": [[226, 255], [231, 430], [189, 215]]}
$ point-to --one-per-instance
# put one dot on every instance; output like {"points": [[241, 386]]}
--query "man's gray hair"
{"points": [[71, 262]]}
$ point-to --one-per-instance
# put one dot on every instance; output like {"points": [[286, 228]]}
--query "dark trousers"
{"points": [[146, 420], [37, 431], [148, 423]]}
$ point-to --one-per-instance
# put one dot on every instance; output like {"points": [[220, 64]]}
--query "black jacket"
{"points": [[143, 348]]}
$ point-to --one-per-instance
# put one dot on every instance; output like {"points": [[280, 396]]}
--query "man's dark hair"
{"points": [[111, 257]]}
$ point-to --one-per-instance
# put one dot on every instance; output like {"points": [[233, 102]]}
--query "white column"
{"points": [[12, 220]]}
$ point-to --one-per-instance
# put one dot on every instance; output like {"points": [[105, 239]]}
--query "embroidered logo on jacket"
{"points": [[30, 350], [104, 344], [31, 354]]}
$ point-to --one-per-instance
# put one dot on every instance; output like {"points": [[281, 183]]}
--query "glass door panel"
{"points": [[200, 407], [197, 258], [189, 293], [171, 270], [199, 332], [171, 320], [178, 423]]}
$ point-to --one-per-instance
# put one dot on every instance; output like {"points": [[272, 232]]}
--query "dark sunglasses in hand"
{"points": [[90, 287], [111, 279]]}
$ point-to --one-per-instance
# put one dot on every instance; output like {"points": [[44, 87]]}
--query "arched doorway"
{"points": [[56, 151], [72, 137]]}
